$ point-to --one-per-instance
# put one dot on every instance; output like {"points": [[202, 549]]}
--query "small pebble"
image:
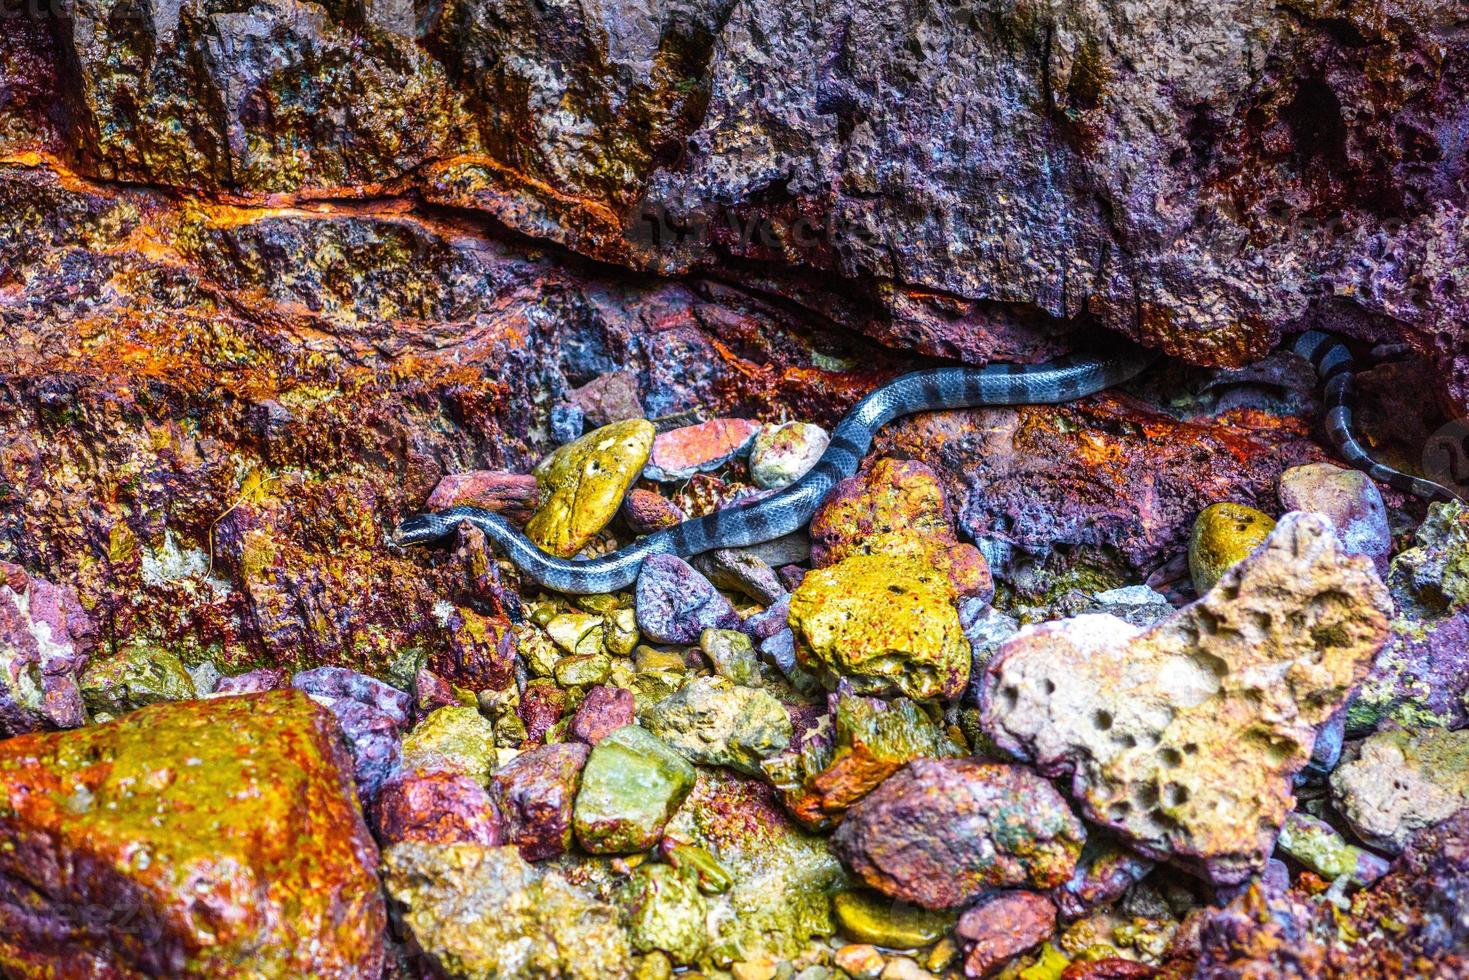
{"points": [[783, 454]]}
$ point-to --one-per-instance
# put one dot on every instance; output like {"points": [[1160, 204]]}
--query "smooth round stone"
{"points": [[1349, 499], [783, 454], [582, 485], [875, 919], [1224, 535]]}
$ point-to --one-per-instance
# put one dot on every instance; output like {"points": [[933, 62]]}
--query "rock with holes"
{"points": [[1183, 738], [1224, 534], [582, 484], [1399, 782]]}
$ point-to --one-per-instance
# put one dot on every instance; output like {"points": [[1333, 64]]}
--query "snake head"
{"points": [[419, 529]]}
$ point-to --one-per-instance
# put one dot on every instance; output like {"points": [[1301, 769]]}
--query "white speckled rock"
{"points": [[1184, 737], [783, 454], [1349, 499]]}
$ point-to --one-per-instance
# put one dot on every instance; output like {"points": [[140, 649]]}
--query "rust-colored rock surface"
{"points": [[186, 839]]}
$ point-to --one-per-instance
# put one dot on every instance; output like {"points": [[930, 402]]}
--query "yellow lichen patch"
{"points": [[583, 483], [887, 623]]}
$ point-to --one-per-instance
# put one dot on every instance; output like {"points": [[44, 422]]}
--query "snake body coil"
{"points": [[792, 508]]}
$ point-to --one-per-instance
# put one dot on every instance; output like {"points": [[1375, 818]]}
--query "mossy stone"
{"points": [[455, 738], [632, 784], [867, 917], [1224, 535], [136, 677]]}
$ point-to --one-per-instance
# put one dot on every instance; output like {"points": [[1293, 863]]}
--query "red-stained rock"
{"points": [[479, 651], [45, 640], [1001, 927], [680, 453], [1107, 487], [515, 495], [646, 511], [541, 707], [604, 710], [430, 693], [255, 848], [1112, 968], [897, 507], [436, 808], [535, 792], [942, 831]]}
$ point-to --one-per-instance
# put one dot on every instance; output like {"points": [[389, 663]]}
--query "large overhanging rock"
{"points": [[1183, 738]]}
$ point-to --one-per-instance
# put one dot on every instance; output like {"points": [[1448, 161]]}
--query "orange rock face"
{"points": [[187, 839]]}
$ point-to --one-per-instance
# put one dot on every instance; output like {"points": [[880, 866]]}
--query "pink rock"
{"points": [[1003, 927], [646, 512], [535, 792], [608, 398], [251, 682], [605, 709], [430, 693], [513, 494], [45, 637], [680, 453]]}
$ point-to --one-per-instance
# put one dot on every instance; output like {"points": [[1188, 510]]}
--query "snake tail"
{"points": [[1335, 369]]}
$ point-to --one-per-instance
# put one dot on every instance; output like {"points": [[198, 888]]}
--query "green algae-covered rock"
{"points": [[715, 722], [584, 671], [732, 654], [185, 839], [782, 878], [576, 632], [485, 913], [632, 784], [666, 911], [455, 738], [1224, 534], [867, 917], [583, 483], [136, 677], [1318, 846], [886, 623]]}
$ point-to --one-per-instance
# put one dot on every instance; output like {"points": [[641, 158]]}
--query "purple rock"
{"points": [[1105, 871], [430, 693], [675, 603], [373, 715], [250, 682], [45, 637], [535, 792], [604, 710], [773, 620]]}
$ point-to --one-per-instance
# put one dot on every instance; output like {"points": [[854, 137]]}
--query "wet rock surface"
{"points": [[244, 806], [272, 279]]}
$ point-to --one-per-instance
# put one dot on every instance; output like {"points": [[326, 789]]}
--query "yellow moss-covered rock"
{"points": [[454, 739], [583, 483], [1224, 534], [886, 623], [188, 839]]}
